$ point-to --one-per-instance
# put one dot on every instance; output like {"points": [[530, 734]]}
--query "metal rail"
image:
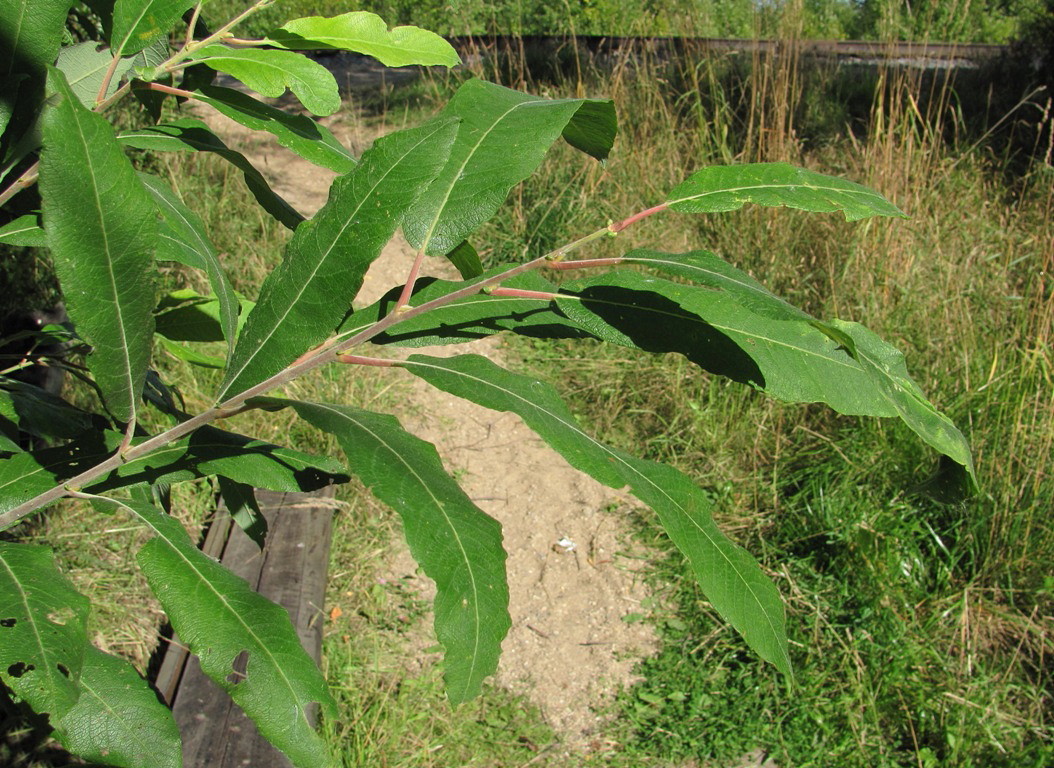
{"points": [[839, 49]]}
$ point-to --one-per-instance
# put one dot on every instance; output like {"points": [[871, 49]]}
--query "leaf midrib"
{"points": [[782, 185], [438, 504], [264, 649], [348, 220], [52, 674], [468, 157]]}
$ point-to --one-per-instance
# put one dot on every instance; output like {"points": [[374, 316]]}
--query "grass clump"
{"points": [[922, 631]]}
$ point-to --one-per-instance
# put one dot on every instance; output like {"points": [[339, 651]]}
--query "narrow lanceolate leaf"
{"points": [[101, 227], [182, 238], [457, 544], [271, 72], [504, 136], [224, 621], [887, 368], [32, 36], [880, 361], [211, 451], [729, 187], [731, 579], [43, 635], [118, 719], [705, 268], [304, 299], [39, 413], [85, 66], [298, 133], [792, 361], [25, 231], [473, 317], [29, 474], [189, 135], [364, 32], [138, 23]]}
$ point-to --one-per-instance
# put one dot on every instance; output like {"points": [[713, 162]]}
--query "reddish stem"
{"points": [[411, 281], [169, 89], [621, 225]]}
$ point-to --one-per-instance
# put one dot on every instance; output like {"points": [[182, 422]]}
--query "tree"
{"points": [[107, 225]]}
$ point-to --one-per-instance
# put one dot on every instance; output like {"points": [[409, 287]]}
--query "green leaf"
{"points": [[32, 36], [883, 364], [298, 133], [85, 66], [27, 475], [503, 138], [138, 23], [25, 231], [888, 370], [722, 188], [223, 620], [192, 355], [270, 72], [473, 317], [42, 414], [8, 95], [708, 269], [118, 719], [466, 260], [182, 238], [101, 227], [305, 298], [241, 504], [457, 544], [185, 315], [189, 135], [792, 361], [211, 451], [731, 579], [43, 629], [364, 32]]}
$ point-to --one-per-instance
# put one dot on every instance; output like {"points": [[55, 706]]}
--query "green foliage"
{"points": [[457, 545], [118, 719], [107, 227]]}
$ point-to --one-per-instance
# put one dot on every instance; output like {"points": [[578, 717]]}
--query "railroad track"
{"points": [[964, 54]]}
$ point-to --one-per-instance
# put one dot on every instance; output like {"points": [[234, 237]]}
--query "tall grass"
{"points": [[922, 631]]}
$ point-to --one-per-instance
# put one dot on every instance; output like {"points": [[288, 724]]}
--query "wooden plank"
{"points": [[290, 570]]}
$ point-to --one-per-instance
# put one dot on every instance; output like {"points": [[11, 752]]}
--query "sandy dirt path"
{"points": [[571, 579]]}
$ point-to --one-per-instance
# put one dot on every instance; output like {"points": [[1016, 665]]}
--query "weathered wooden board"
{"points": [[291, 570]]}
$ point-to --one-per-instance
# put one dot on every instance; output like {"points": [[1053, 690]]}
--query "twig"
{"points": [[25, 181], [324, 354]]}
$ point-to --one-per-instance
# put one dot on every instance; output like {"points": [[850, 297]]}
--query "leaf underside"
{"points": [[364, 32]]}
